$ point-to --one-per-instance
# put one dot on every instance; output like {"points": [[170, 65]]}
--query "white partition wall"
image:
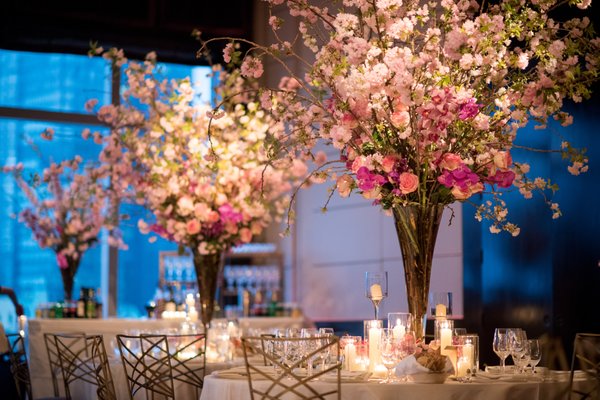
{"points": [[334, 249]]}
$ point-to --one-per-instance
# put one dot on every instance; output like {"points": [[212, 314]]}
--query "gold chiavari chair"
{"points": [[55, 371], [83, 357], [18, 365], [153, 363], [288, 357], [586, 357]]}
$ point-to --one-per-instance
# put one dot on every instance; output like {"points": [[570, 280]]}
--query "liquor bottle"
{"points": [[90, 304], [170, 304], [98, 300], [81, 304]]}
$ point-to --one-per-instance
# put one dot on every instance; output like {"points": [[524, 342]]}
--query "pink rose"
{"points": [[450, 161], [502, 159], [388, 163], [213, 217], [344, 185], [408, 182], [460, 194], [192, 227], [245, 235]]}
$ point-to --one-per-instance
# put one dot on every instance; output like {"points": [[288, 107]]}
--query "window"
{"points": [[39, 91]]}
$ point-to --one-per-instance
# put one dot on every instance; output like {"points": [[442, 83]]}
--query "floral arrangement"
{"points": [[430, 357], [69, 205], [424, 100], [204, 173]]}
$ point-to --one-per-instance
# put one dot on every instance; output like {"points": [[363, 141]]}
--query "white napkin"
{"points": [[410, 366]]}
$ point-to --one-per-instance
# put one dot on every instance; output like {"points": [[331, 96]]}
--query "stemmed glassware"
{"points": [[390, 352], [376, 287], [310, 346], [535, 353], [519, 348], [501, 347]]}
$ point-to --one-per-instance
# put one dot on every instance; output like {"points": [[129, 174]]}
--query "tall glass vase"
{"points": [[208, 267], [68, 276], [417, 228]]}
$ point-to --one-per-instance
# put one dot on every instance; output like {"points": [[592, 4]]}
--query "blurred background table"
{"points": [[41, 378]]}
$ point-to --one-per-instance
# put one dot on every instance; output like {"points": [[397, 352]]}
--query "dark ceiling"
{"points": [[138, 26]]}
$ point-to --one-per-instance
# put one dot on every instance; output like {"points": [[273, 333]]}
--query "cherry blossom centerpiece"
{"points": [[424, 100], [205, 173]]}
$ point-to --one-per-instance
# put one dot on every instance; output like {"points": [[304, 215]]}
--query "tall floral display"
{"points": [[424, 100], [204, 173], [69, 204]]}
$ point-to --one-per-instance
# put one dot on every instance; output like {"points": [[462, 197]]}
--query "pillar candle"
{"points": [[445, 339], [462, 367], [399, 330], [376, 292], [440, 310], [350, 356], [374, 348]]}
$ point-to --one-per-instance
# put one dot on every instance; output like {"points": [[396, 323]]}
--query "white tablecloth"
{"points": [[237, 389], [109, 328]]}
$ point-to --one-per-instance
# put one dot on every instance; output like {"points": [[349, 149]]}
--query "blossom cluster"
{"points": [[424, 100], [205, 173], [69, 205]]}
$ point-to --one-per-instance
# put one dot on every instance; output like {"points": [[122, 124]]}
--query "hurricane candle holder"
{"points": [[372, 334]]}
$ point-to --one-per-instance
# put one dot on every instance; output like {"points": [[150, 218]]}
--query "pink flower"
{"points": [[227, 52], [463, 193], [245, 235], [344, 185], [61, 259], [193, 227], [450, 161], [408, 182], [252, 67], [502, 159], [388, 163]]}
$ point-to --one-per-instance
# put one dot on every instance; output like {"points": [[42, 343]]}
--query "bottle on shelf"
{"points": [[98, 300], [90, 304], [80, 313]]}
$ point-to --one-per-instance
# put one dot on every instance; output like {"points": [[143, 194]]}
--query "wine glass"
{"points": [[310, 346], [390, 352], [535, 353], [519, 348], [376, 286], [326, 332], [500, 346]]}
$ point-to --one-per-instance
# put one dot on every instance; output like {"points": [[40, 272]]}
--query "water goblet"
{"points": [[376, 287], [519, 348], [500, 346], [390, 352], [326, 332], [535, 353]]}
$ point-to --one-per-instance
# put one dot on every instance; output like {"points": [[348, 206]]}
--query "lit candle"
{"points": [[189, 300], [468, 353], [462, 367], [350, 356], [193, 314], [376, 292], [445, 340], [374, 348], [379, 371], [399, 330], [440, 310]]}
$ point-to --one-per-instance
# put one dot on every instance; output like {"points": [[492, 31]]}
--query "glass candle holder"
{"points": [[443, 333], [440, 304], [469, 344], [373, 329], [349, 348], [400, 323]]}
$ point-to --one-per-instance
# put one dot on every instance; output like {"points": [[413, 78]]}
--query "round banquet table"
{"points": [[217, 388]]}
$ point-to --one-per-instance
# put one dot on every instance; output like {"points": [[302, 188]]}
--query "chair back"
{"points": [[586, 357], [83, 357], [289, 358], [153, 362], [18, 365]]}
